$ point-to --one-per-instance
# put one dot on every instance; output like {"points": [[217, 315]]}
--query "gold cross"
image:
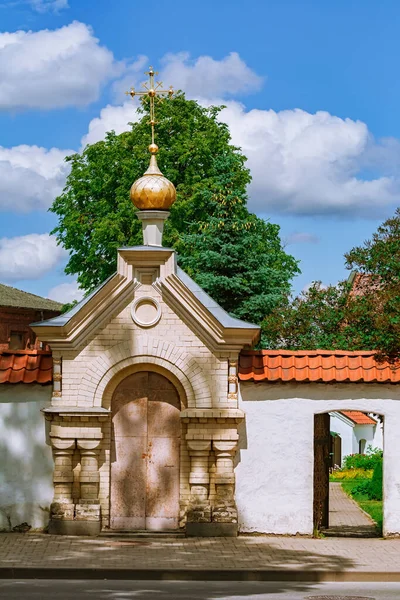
{"points": [[152, 90]]}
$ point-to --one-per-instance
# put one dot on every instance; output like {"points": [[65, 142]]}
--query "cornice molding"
{"points": [[91, 317]]}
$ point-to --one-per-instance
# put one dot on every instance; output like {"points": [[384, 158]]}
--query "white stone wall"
{"points": [[274, 474], [26, 466]]}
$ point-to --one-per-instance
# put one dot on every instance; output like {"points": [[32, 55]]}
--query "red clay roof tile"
{"points": [[358, 417], [315, 365], [26, 366]]}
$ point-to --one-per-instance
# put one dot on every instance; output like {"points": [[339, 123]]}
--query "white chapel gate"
{"points": [[144, 415]]}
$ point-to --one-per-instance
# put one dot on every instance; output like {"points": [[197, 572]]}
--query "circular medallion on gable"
{"points": [[146, 311]]}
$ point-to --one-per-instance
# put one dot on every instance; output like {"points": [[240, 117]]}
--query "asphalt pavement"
{"points": [[193, 590]]}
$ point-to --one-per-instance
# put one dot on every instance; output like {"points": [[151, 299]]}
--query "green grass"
{"points": [[373, 507]]}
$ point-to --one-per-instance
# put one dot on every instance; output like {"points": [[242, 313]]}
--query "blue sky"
{"points": [[312, 96]]}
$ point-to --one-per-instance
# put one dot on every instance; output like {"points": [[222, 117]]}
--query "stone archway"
{"points": [[145, 451]]}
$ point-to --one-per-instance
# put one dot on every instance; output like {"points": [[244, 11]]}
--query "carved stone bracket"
{"points": [[62, 506], [224, 509], [88, 507], [72, 430], [199, 510]]}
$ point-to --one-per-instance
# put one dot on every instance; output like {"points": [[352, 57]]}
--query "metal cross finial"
{"points": [[152, 90]]}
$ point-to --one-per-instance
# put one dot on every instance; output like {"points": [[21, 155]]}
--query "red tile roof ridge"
{"points": [[316, 365], [309, 352]]}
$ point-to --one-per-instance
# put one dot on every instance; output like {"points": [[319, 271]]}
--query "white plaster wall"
{"points": [[345, 430], [274, 474], [372, 434], [378, 435], [26, 466]]}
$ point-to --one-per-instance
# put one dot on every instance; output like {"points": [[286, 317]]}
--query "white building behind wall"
{"points": [[358, 432]]}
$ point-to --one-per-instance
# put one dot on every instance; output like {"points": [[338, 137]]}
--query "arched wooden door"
{"points": [[145, 449]]}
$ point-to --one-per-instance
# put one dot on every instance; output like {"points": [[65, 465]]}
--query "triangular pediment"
{"points": [[146, 265]]}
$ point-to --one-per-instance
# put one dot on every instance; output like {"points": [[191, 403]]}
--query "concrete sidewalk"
{"points": [[346, 519], [243, 558]]}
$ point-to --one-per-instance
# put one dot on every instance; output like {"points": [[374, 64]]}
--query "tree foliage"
{"points": [[363, 314], [235, 256]]}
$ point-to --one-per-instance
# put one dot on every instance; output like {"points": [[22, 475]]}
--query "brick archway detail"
{"points": [[147, 351]]}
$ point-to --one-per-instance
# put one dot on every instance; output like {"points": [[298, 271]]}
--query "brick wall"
{"points": [[18, 320]]}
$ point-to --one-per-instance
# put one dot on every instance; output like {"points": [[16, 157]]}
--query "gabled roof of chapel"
{"points": [[190, 302]]}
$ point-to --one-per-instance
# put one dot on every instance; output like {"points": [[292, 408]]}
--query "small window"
{"points": [[361, 446], [16, 341]]}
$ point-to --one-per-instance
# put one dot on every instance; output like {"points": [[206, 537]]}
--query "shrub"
{"points": [[362, 489], [346, 474], [376, 490], [366, 461], [372, 488]]}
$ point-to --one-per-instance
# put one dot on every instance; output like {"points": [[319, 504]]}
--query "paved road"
{"points": [[191, 590]]}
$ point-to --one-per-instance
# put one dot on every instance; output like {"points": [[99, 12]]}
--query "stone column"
{"points": [[199, 510], [224, 509], [62, 507], [88, 507]]}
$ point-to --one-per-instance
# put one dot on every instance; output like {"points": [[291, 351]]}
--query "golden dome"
{"points": [[153, 191]]}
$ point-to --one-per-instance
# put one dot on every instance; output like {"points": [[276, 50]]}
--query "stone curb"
{"points": [[199, 574]]}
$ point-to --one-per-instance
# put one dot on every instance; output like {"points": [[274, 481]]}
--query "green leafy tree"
{"points": [[235, 256], [365, 316]]}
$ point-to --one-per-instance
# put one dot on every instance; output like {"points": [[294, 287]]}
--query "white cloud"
{"points": [[301, 237], [111, 117], [52, 69], [31, 177], [29, 256], [301, 163], [309, 164], [209, 78], [203, 78], [66, 292], [43, 6]]}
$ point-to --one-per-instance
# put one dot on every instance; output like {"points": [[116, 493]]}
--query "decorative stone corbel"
{"points": [[88, 507], [224, 509], [199, 510], [62, 507]]}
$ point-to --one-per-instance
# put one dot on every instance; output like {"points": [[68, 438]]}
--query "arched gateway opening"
{"points": [[348, 484], [145, 450]]}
